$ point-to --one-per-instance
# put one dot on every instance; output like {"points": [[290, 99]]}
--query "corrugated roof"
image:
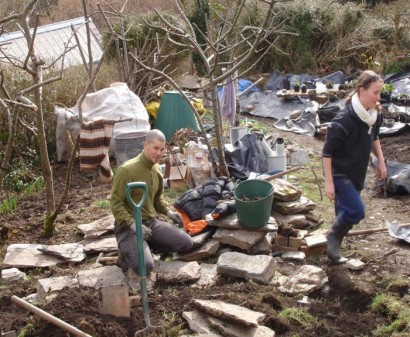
{"points": [[51, 41]]}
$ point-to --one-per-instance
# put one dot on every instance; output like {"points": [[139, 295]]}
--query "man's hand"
{"points": [[146, 232], [175, 217]]}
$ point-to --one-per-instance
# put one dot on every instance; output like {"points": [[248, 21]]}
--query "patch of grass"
{"points": [[397, 311], [8, 205], [104, 203], [27, 330], [394, 282], [34, 187], [173, 328], [300, 316]]}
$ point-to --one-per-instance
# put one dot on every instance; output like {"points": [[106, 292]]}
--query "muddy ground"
{"points": [[341, 308]]}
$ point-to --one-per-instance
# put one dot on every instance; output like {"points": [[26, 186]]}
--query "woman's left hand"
{"points": [[382, 170]]}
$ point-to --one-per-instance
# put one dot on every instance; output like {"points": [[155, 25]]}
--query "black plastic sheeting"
{"points": [[398, 176], [395, 130], [246, 156], [268, 104], [304, 124]]}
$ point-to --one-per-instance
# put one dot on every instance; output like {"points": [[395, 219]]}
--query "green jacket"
{"points": [[138, 169]]}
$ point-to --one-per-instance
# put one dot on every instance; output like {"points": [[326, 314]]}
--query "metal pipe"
{"points": [[41, 313]]}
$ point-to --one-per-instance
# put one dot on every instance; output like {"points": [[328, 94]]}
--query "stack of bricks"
{"points": [[310, 244]]}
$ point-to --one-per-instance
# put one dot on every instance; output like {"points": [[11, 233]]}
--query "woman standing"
{"points": [[352, 134]]}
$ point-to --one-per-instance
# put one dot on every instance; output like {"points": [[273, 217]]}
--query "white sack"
{"points": [[116, 102]]}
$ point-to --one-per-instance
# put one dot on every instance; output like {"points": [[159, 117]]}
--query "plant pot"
{"points": [[303, 90], [286, 84], [296, 88]]}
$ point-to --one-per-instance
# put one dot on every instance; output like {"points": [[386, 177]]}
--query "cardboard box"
{"points": [[176, 178]]}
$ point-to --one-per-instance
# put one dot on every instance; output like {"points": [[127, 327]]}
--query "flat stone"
{"points": [[209, 276], [297, 221], [200, 239], [231, 222], [284, 190], [242, 239], [178, 271], [305, 280], [197, 322], [208, 249], [230, 329], [293, 256], [12, 274], [101, 277], [355, 264], [52, 285], [315, 240], [230, 312], [23, 255], [70, 252], [264, 246], [97, 228], [259, 268], [104, 245], [301, 205]]}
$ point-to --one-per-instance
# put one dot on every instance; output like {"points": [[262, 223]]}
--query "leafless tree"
{"points": [[226, 46], [34, 67]]}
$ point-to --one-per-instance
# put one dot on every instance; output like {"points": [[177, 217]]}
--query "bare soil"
{"points": [[341, 308]]}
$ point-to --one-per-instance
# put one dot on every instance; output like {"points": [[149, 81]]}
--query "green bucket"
{"points": [[253, 213]]}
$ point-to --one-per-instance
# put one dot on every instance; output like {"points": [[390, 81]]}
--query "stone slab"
{"points": [[315, 240], [230, 312], [230, 329], [355, 264], [23, 255], [297, 221], [101, 277], [209, 276], [259, 268], [208, 249], [178, 271], [293, 256], [104, 245], [284, 190], [301, 205], [231, 222], [97, 228], [242, 239], [200, 239], [305, 280], [12, 274], [264, 246], [52, 285], [197, 322], [70, 252]]}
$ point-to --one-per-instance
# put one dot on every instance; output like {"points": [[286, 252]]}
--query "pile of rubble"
{"points": [[246, 253]]}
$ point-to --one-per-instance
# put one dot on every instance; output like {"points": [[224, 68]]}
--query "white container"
{"points": [[276, 163], [266, 148], [237, 133], [280, 147]]}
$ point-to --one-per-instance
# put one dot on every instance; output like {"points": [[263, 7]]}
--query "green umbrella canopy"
{"points": [[174, 113]]}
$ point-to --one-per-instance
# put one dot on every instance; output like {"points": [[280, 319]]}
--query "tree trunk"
{"points": [[41, 139]]}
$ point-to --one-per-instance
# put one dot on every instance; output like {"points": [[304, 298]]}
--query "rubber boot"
{"points": [[334, 241]]}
